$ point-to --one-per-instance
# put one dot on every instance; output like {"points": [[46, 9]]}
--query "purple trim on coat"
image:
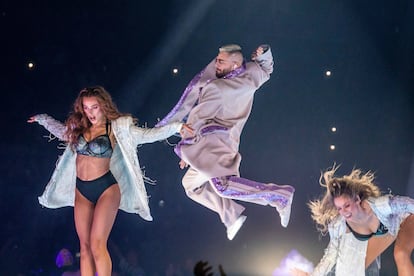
{"points": [[212, 129], [204, 131], [190, 87], [177, 150], [236, 72], [186, 92], [187, 141]]}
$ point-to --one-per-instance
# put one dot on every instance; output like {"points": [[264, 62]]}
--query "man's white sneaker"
{"points": [[235, 227]]}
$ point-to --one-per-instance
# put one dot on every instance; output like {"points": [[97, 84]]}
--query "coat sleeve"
{"points": [[402, 204], [328, 260], [392, 210], [266, 60], [52, 125], [142, 135], [261, 68], [189, 96], [330, 256]]}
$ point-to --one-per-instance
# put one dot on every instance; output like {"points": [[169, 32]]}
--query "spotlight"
{"points": [[328, 73], [30, 65], [333, 129], [332, 147]]}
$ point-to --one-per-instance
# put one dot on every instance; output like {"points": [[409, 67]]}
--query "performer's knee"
{"points": [[402, 255], [404, 244], [403, 249], [190, 186]]}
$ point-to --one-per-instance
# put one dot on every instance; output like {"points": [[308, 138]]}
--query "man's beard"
{"points": [[222, 73]]}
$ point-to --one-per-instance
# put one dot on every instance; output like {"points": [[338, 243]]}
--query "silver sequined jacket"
{"points": [[347, 253], [124, 165]]}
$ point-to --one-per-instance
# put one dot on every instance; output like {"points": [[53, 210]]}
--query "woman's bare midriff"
{"points": [[90, 168]]}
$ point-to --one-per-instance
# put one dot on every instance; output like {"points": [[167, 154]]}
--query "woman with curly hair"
{"points": [[361, 223], [99, 172]]}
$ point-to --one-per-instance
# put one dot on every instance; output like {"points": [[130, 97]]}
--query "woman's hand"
{"points": [[183, 164], [186, 128], [298, 272], [32, 119]]}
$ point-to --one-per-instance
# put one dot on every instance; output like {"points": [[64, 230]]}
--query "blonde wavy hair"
{"points": [[356, 184], [77, 122]]}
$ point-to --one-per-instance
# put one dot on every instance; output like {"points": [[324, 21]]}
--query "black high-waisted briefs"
{"points": [[93, 189]]}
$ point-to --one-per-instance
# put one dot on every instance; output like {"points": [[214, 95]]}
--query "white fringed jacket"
{"points": [[124, 165]]}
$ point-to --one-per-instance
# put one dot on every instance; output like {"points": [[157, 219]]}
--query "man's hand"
{"points": [[258, 52], [186, 128], [183, 164], [32, 119]]}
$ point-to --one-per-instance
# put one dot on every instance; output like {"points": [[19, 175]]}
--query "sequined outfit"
{"points": [[345, 253]]}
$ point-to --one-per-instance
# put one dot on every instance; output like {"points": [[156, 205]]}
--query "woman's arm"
{"points": [[149, 135], [329, 259], [54, 126], [401, 204]]}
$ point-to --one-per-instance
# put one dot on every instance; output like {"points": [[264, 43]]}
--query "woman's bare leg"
{"points": [[104, 216], [83, 213], [404, 246], [377, 245]]}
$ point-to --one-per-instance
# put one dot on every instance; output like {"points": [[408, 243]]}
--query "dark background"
{"points": [[131, 47]]}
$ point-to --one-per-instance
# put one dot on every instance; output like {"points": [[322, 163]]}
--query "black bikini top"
{"points": [[99, 147], [382, 230]]}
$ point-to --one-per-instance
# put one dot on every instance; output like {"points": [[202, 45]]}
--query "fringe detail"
{"points": [[147, 179], [50, 137]]}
